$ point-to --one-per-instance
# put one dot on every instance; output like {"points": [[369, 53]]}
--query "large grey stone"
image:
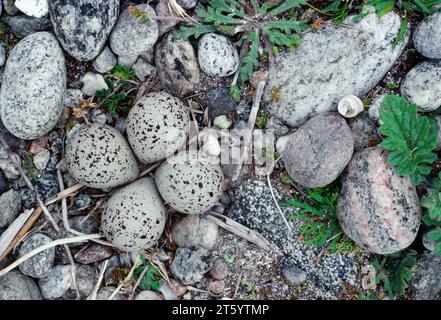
{"points": [[133, 36], [333, 62], [34, 82], [318, 151], [177, 65], [253, 206], [56, 283], [426, 280], [422, 86], [378, 209], [191, 264], [16, 286], [427, 37], [83, 26], [41, 264], [23, 26], [10, 205]]}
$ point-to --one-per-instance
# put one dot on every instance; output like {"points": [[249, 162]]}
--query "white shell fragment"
{"points": [[33, 8], [350, 106]]}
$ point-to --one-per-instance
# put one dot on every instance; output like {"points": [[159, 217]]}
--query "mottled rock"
{"points": [[295, 276], [162, 9], [87, 276], [23, 26], [127, 61], [41, 264], [41, 159], [33, 86], [105, 292], [426, 281], [10, 206], [98, 156], [157, 126], [222, 122], [217, 56], [47, 185], [33, 8], [83, 26], [219, 102], [378, 209], [73, 98], [216, 286], [178, 68], [133, 36], [191, 264], [93, 82], [364, 131], [427, 37], [56, 283], [16, 286], [277, 126], [143, 69], [253, 206], [195, 230], [148, 295], [333, 62], [144, 219], [2, 56], [318, 151], [105, 61], [422, 86], [187, 4], [82, 200], [374, 109], [190, 182], [94, 253], [219, 271]]}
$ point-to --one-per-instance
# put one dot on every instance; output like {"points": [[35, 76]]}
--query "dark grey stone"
{"points": [[426, 280], [23, 26], [16, 286], [191, 264], [47, 185], [219, 102]]}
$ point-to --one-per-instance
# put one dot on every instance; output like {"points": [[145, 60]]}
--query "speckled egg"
{"points": [[134, 217], [190, 182], [157, 126], [98, 156]]}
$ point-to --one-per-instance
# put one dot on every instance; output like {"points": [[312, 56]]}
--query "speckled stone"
{"points": [[10, 205], [105, 292], [143, 69], [427, 37], [143, 220], [422, 86], [34, 82], [33, 8], [318, 151], [16, 286], [105, 61], [177, 65], [426, 281], [98, 156], [378, 209], [132, 36], [148, 295], [333, 62], [22, 26], [187, 4], [219, 102], [56, 283], [83, 26], [195, 230], [157, 126], [41, 264], [162, 9], [191, 264], [217, 56], [190, 182]]}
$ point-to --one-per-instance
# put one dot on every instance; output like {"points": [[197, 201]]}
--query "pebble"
{"points": [[10, 207], [222, 122], [16, 286], [132, 36], [87, 276], [104, 293], [277, 125], [82, 200], [33, 8], [127, 61], [216, 286], [41, 264], [426, 282], [428, 243], [23, 26], [41, 159], [177, 65], [219, 271], [282, 142], [47, 185], [317, 153], [217, 55], [56, 283], [330, 63], [374, 109], [143, 69], [191, 264], [94, 253], [364, 131], [22, 110], [148, 295], [195, 230], [105, 62], [98, 116], [93, 82], [295, 276], [83, 26], [187, 4], [422, 86], [219, 102], [427, 36], [211, 145], [378, 209], [162, 9]]}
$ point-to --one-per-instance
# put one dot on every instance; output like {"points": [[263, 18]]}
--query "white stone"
{"points": [[92, 82], [41, 159], [222, 122], [33, 8]]}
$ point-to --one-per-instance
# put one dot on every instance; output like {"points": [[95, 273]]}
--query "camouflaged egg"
{"points": [[190, 182], [134, 217], [157, 126], [98, 156]]}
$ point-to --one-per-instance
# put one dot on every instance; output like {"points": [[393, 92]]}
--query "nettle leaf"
{"points": [[410, 138], [286, 6], [251, 58], [287, 26], [196, 30]]}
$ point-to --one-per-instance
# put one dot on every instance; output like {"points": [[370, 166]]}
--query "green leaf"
{"points": [[287, 5], [195, 30], [410, 139], [434, 235], [235, 92], [402, 33], [432, 202], [251, 58]]}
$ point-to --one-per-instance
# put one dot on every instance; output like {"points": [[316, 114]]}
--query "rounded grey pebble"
{"points": [[148, 295], [98, 156], [219, 271], [317, 153], [104, 293], [143, 69], [10, 206], [427, 37], [190, 182], [16, 286], [105, 61], [195, 230], [56, 283], [295, 276], [191, 264], [187, 4], [217, 56], [219, 102], [42, 263]]}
